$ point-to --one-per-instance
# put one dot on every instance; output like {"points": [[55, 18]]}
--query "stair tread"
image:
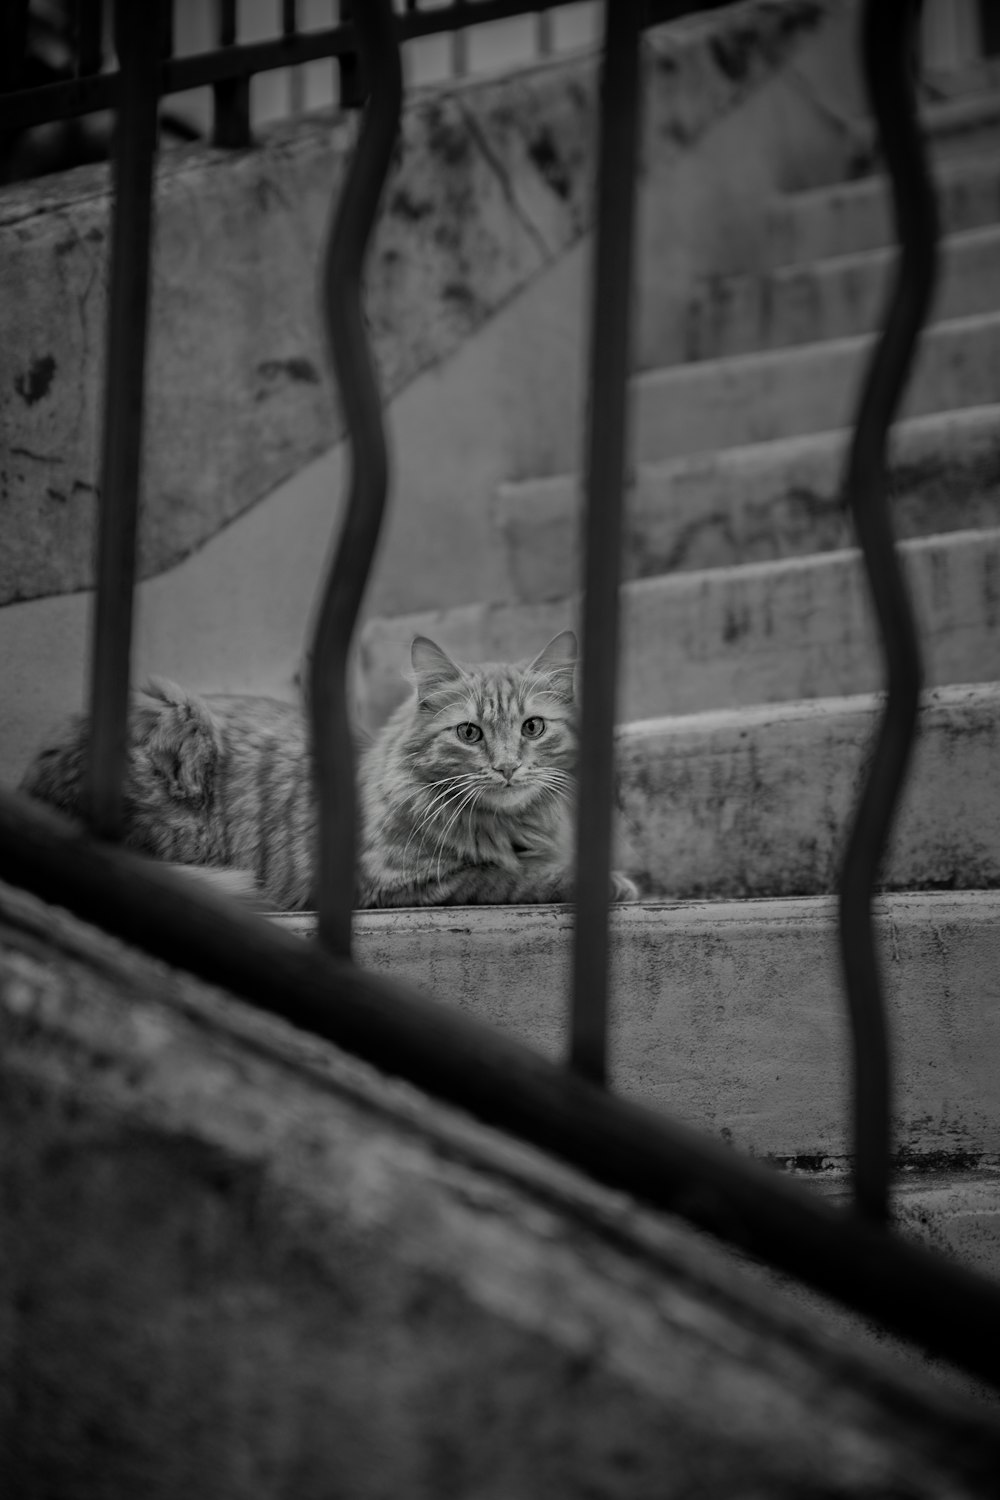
{"points": [[769, 631], [984, 417], [814, 223], [734, 719], [704, 369], [713, 1001]]}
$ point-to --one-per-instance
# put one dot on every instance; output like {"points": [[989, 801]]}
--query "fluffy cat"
{"points": [[467, 793]]}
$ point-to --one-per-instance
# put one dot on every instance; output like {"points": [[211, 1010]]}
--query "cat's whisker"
{"points": [[470, 800], [456, 786], [438, 805]]}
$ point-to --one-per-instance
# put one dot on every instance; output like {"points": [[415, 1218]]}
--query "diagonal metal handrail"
{"points": [[354, 367], [887, 35]]}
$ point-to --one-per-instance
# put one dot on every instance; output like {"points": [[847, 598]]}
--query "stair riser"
{"points": [[736, 636], [758, 803], [975, 139], [833, 299], [732, 1017], [703, 407], [753, 504], [857, 216]]}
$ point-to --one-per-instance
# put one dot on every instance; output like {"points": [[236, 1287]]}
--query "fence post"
{"points": [[138, 44]]}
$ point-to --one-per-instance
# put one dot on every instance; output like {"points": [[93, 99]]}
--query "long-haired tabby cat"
{"points": [[467, 793]]}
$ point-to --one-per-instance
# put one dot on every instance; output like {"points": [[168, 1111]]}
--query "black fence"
{"points": [[67, 73], [568, 1111]]}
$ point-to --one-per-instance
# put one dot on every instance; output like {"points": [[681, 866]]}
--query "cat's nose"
{"points": [[507, 770]]}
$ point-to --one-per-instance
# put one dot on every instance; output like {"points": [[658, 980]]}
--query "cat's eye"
{"points": [[533, 727], [470, 733]]}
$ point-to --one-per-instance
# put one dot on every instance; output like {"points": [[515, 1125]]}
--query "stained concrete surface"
{"points": [[751, 502], [729, 1014]]}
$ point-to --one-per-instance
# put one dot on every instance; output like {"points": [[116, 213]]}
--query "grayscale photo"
{"points": [[499, 749]]}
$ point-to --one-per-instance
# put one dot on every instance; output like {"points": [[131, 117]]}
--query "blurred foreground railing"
{"points": [[315, 986]]}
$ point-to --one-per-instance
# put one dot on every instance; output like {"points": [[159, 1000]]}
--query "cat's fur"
{"points": [[467, 793]]}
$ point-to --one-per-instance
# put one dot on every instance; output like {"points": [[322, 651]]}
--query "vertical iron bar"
{"points": [[354, 368], [167, 29], [89, 37], [351, 85], [607, 438], [13, 43], [137, 43], [231, 96], [887, 37]]}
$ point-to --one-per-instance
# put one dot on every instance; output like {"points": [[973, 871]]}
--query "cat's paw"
{"points": [[622, 888]]}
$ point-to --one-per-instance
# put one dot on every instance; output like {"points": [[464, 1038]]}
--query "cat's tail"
{"points": [[180, 739], [174, 747]]}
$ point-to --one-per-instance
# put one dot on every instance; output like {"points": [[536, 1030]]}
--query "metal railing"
{"points": [[228, 67], [567, 1111]]}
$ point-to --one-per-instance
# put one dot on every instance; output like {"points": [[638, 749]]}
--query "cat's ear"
{"points": [[556, 662], [432, 668]]}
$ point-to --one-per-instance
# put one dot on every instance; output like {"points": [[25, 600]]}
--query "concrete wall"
{"points": [[477, 302]]}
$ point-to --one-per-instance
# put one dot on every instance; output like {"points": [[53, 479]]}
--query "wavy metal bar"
{"points": [[888, 36], [138, 39], [924, 1297], [607, 424], [332, 745]]}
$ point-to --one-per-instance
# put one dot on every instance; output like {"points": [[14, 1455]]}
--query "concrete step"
{"points": [[760, 633], [756, 801], [748, 504], [730, 1015], [753, 398], [958, 128], [964, 126], [956, 1210], [834, 297], [854, 216]]}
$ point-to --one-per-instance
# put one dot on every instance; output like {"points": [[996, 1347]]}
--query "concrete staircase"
{"points": [[750, 677]]}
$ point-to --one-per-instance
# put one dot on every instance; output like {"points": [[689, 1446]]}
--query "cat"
{"points": [[466, 793]]}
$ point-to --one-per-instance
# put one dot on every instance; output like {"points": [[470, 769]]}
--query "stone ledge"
{"points": [[492, 183], [730, 1014]]}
